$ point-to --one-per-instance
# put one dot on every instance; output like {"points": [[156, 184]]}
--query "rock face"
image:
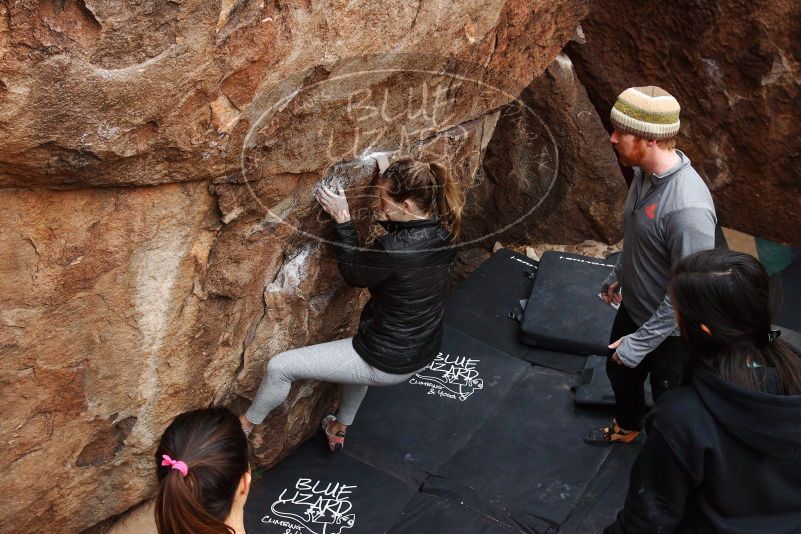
{"points": [[158, 240], [550, 174], [162, 92], [735, 68]]}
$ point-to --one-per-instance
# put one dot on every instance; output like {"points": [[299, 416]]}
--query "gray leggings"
{"points": [[335, 361]]}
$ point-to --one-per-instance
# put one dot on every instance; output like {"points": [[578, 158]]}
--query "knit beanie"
{"points": [[648, 112]]}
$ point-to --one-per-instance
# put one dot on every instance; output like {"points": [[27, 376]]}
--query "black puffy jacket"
{"points": [[719, 458], [408, 272]]}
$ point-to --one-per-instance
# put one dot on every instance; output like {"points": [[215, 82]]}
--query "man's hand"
{"points": [[335, 204], [614, 346], [612, 293]]}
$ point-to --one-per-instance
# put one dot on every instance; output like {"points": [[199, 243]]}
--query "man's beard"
{"points": [[633, 158]]}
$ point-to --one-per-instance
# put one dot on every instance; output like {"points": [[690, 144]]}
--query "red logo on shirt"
{"points": [[650, 211]]}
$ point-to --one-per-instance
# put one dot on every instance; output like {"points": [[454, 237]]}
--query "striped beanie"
{"points": [[647, 112]]}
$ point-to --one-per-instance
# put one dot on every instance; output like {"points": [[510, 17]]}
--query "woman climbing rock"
{"points": [[407, 272]]}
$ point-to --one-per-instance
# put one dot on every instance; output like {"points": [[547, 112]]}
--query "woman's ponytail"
{"points": [[430, 186], [782, 357], [450, 198], [179, 510], [200, 462]]}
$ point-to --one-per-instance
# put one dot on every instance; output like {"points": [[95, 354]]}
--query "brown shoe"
{"points": [[611, 434]]}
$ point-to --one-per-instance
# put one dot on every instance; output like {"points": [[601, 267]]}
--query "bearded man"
{"points": [[669, 214]]}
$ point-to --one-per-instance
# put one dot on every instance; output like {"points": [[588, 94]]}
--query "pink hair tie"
{"points": [[175, 464]]}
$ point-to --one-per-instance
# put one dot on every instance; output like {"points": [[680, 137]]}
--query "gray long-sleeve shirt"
{"points": [[674, 218]]}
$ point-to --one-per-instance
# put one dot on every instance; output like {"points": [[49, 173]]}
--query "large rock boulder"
{"points": [[158, 240], [550, 174], [735, 68], [98, 93]]}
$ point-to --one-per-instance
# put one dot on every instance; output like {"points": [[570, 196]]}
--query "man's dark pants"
{"points": [[666, 364]]}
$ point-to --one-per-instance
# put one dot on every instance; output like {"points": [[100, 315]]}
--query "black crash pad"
{"points": [[606, 494], [436, 515], [593, 386], [612, 258], [562, 361], [564, 311], [420, 424], [462, 503], [315, 492], [480, 305], [528, 459], [552, 359]]}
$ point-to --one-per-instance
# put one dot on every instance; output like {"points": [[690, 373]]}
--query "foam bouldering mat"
{"points": [[432, 514], [480, 305], [612, 258], [463, 503], [593, 386], [606, 494], [786, 292], [316, 492], [419, 424], [552, 359], [529, 458], [564, 311]]}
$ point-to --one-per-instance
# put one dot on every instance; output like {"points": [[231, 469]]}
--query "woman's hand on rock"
{"points": [[334, 203]]}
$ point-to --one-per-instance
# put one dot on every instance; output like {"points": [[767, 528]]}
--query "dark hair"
{"points": [[729, 293], [430, 186], [212, 444]]}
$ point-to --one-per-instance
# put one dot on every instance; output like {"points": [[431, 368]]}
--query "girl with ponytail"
{"points": [[407, 272], [724, 452], [203, 473], [428, 187]]}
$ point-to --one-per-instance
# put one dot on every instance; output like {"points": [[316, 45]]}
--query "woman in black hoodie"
{"points": [[407, 272], [724, 453]]}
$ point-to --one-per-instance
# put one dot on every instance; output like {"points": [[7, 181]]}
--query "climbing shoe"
{"points": [[611, 434], [335, 441]]}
